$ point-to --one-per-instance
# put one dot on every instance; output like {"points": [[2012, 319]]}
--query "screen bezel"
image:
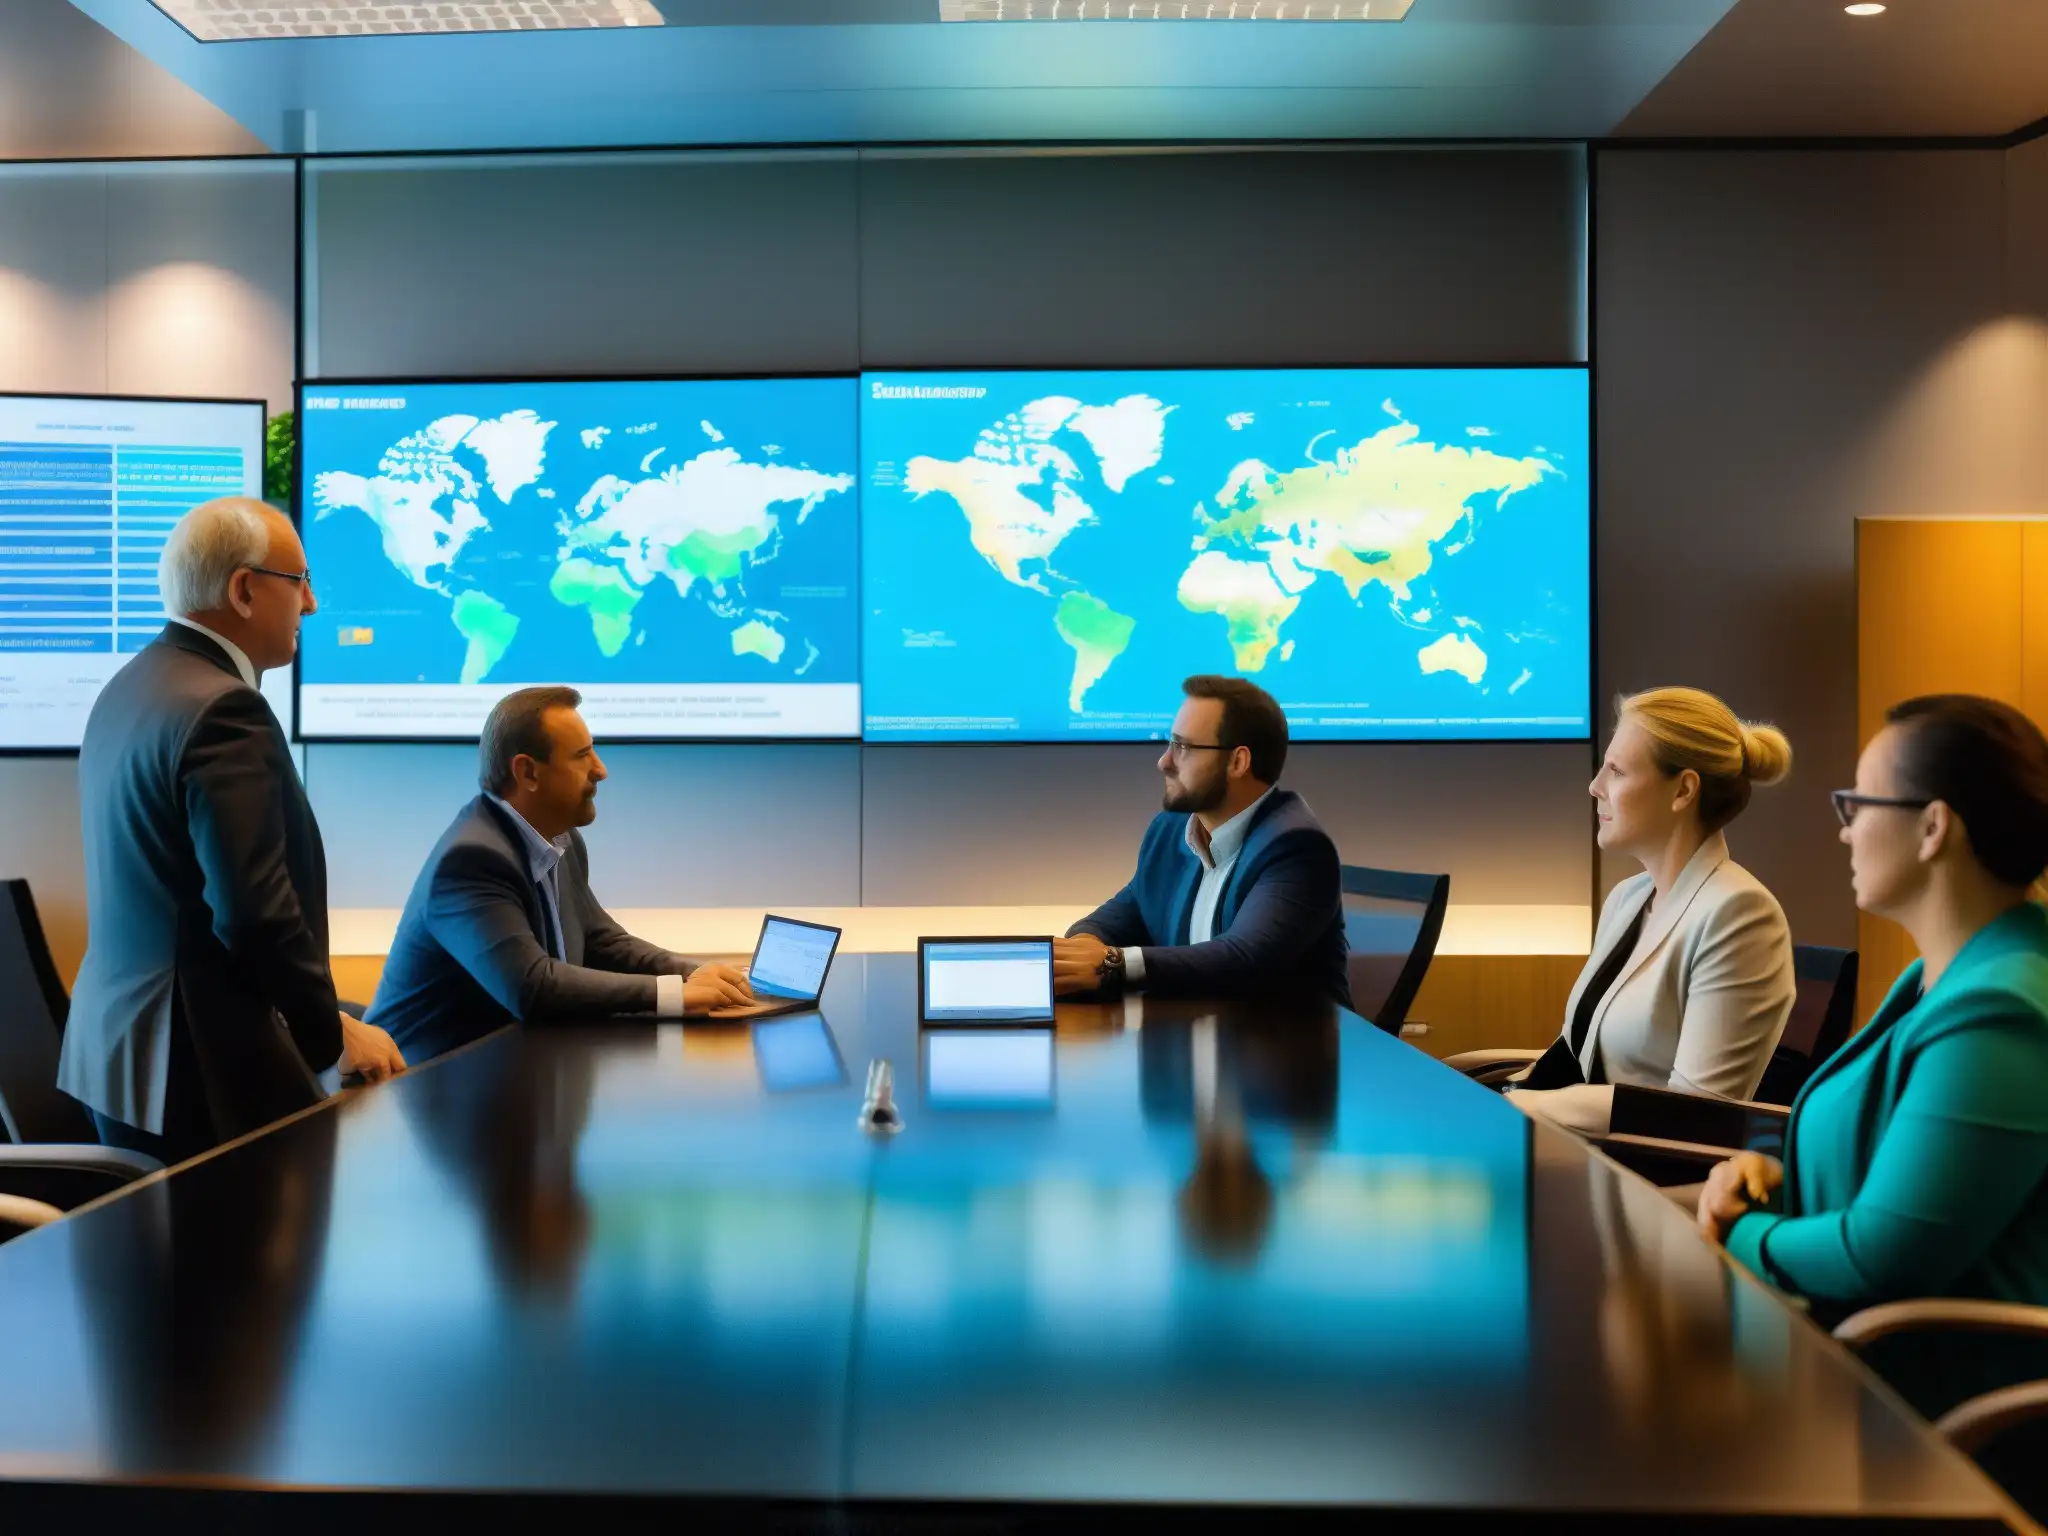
{"points": [[320, 382], [262, 408], [1025, 1020], [1583, 367], [797, 922]]}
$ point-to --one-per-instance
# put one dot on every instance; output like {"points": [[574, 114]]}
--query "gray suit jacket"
{"points": [[470, 956], [206, 900]]}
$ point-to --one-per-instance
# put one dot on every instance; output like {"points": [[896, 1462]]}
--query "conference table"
{"points": [[1258, 1257]]}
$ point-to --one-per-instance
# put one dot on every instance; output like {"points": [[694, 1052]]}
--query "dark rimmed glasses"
{"points": [[300, 579], [1847, 803], [1181, 749]]}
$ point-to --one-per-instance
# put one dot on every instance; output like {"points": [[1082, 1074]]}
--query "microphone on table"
{"points": [[879, 1115]]}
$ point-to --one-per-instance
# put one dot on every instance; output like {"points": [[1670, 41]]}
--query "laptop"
{"points": [[984, 981], [787, 973]]}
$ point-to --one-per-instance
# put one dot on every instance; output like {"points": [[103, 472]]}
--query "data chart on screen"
{"points": [[684, 552], [1394, 554], [90, 489]]}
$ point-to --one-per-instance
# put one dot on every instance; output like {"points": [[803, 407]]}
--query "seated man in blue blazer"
{"points": [[1237, 892], [501, 924]]}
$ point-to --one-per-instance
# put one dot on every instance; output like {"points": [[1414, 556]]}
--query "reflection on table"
{"points": [[1162, 1253]]}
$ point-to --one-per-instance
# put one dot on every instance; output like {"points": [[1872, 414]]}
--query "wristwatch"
{"points": [[1111, 971]]}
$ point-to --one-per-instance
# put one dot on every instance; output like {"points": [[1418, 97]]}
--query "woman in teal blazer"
{"points": [[1916, 1159]]}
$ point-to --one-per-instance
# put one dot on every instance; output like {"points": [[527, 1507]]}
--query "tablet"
{"points": [[984, 981]]}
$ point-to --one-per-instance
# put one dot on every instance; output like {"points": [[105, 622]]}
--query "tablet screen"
{"points": [[986, 980]]}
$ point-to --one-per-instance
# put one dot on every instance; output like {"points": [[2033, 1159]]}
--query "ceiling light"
{"points": [[1173, 10], [1865, 8], [222, 21]]}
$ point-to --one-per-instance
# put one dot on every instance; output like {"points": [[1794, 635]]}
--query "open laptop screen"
{"points": [[791, 958], [985, 980]]}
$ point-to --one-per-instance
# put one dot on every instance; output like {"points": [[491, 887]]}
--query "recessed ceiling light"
{"points": [[222, 21], [1865, 8]]}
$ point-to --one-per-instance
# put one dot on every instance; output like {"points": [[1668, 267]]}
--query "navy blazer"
{"points": [[470, 955], [1279, 923]]}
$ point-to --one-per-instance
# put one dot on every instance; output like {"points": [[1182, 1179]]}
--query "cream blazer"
{"points": [[1701, 1003]]}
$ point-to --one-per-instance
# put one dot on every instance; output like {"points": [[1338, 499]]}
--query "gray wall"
{"points": [[162, 279], [843, 260], [1786, 342]]}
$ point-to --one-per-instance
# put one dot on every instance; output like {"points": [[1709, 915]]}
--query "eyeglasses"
{"points": [[1181, 749], [1847, 803], [301, 579]]}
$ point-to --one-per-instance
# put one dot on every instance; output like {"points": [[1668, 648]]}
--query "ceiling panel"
{"points": [[1805, 67], [1452, 68], [70, 88]]}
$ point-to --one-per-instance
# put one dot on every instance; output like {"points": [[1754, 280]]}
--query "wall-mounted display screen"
{"points": [[1394, 554], [683, 551], [89, 490]]}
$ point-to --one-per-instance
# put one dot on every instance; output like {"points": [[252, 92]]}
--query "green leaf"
{"points": [[280, 441]]}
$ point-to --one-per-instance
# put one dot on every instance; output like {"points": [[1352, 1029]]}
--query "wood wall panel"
{"points": [[2034, 621], [1943, 606], [1477, 1002]]}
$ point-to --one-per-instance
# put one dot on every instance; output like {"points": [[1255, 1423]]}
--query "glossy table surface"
{"points": [[1177, 1254]]}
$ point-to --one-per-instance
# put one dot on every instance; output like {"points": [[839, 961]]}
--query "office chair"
{"points": [[1822, 1018], [55, 1159], [1972, 1426], [33, 1009], [1391, 924]]}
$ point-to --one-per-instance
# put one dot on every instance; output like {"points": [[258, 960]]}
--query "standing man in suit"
{"points": [[501, 924], [204, 1007], [1238, 891]]}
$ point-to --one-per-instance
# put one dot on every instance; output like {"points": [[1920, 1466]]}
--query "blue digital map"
{"points": [[1393, 553], [699, 532]]}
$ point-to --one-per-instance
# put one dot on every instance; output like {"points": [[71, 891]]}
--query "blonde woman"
{"points": [[1690, 980]]}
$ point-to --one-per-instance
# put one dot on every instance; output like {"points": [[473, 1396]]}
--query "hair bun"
{"points": [[1766, 754]]}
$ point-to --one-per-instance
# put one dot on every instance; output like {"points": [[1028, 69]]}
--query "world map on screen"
{"points": [[699, 532], [1391, 553]]}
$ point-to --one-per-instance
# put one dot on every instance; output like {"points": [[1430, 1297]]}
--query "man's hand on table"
{"points": [[716, 986], [368, 1052], [1077, 964]]}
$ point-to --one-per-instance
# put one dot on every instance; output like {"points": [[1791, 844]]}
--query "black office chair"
{"points": [[1822, 1018], [1978, 1425], [1391, 923], [55, 1159], [1673, 1139], [33, 1010]]}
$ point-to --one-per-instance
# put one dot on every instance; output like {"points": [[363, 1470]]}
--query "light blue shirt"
{"points": [[1218, 853], [544, 862], [543, 859]]}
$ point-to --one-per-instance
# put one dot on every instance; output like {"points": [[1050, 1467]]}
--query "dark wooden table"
{"points": [[1269, 1260]]}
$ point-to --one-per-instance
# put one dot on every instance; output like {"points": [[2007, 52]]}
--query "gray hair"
{"points": [[210, 543], [515, 729]]}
